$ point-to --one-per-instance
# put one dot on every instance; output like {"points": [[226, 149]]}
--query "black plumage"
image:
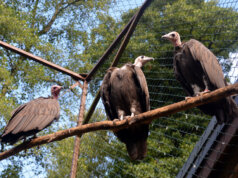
{"points": [[198, 71], [124, 92], [32, 117]]}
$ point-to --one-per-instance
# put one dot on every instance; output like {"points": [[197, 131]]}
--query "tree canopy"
{"points": [[75, 34]]}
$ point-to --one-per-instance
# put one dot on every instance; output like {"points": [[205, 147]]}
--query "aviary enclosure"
{"points": [[85, 38]]}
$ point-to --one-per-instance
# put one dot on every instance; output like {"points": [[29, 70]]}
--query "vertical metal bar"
{"points": [[77, 138], [92, 107], [132, 27]]}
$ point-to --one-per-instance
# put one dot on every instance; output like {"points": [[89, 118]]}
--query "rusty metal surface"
{"points": [[109, 50], [130, 32], [74, 75], [73, 171]]}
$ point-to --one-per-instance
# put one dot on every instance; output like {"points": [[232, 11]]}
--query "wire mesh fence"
{"points": [[171, 138]]}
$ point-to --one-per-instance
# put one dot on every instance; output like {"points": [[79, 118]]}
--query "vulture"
{"points": [[124, 92], [32, 117], [198, 71]]}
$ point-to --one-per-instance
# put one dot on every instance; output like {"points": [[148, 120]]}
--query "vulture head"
{"points": [[55, 90], [142, 60], [174, 37]]}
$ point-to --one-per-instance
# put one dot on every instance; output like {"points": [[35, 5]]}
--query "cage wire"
{"points": [[171, 138]]}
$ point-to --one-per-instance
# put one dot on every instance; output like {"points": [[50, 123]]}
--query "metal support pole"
{"points": [[110, 49], [77, 138], [130, 32], [74, 75]]}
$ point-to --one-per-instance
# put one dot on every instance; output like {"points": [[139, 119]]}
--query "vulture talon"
{"points": [[187, 98], [115, 120], [203, 92], [127, 117]]}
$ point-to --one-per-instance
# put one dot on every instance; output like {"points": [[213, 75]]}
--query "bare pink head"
{"points": [[174, 37], [55, 90], [140, 61]]}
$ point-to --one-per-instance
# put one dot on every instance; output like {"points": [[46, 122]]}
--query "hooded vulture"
{"points": [[32, 117], [198, 71], [124, 92]]}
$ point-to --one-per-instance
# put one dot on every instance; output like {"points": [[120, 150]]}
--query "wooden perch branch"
{"points": [[146, 117]]}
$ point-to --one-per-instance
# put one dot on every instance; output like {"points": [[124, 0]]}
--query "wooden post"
{"points": [[77, 138]]}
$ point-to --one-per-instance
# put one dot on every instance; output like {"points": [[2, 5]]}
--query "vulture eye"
{"points": [[173, 35], [142, 57]]}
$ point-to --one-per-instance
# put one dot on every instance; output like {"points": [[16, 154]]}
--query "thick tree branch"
{"points": [[34, 13], [146, 117], [58, 10]]}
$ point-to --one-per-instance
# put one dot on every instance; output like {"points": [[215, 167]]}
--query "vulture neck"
{"points": [[55, 96], [138, 64], [177, 43], [178, 46]]}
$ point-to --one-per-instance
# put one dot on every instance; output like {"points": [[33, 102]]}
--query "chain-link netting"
{"points": [[171, 138]]}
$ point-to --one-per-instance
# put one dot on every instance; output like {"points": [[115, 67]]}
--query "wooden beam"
{"points": [[74, 75], [145, 117]]}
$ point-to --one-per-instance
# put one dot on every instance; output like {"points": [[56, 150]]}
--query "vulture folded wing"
{"points": [[35, 115], [143, 84], [179, 76], [208, 62], [50, 111], [105, 93], [12, 123]]}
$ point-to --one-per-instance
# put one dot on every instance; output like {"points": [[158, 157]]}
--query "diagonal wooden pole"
{"points": [[146, 117], [77, 138]]}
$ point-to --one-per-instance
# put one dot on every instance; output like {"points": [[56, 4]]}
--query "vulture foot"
{"points": [[203, 92], [33, 137], [188, 97], [115, 120]]}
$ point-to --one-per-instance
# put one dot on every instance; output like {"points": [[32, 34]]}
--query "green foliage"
{"points": [[78, 36], [52, 30], [171, 138]]}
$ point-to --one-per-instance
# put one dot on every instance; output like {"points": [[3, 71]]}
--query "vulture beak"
{"points": [[167, 37], [59, 88], [147, 59], [142, 60]]}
